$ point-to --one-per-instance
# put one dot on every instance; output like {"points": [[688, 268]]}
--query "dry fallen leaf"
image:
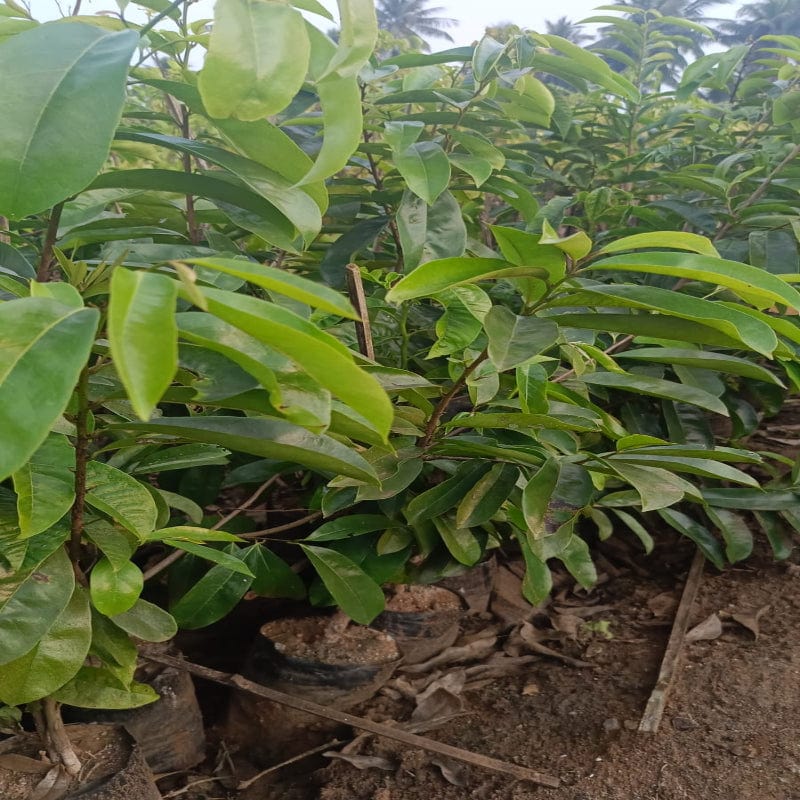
{"points": [[452, 771], [568, 624], [750, 619], [530, 689], [663, 605], [362, 762], [474, 651], [441, 698], [532, 639], [508, 603], [709, 628]]}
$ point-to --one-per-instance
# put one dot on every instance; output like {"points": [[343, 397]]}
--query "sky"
{"points": [[473, 15]]}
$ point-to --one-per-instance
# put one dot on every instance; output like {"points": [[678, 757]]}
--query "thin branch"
{"points": [[275, 768], [43, 272], [651, 718], [355, 289], [158, 17], [298, 523], [81, 458], [177, 554], [444, 403], [58, 737], [387, 731]]}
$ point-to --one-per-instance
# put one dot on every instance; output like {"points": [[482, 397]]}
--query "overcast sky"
{"points": [[474, 15]]}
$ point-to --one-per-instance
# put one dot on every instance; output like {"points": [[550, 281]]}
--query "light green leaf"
{"points": [[56, 77], [147, 622], [425, 168], [575, 246], [578, 561], [266, 437], [143, 335], [115, 591], [219, 557], [183, 457], [98, 687], [45, 347], [675, 240], [514, 339], [536, 497], [487, 496], [532, 388], [350, 526], [428, 233], [190, 533], [358, 32], [637, 528], [352, 589], [45, 486], [55, 658], [538, 581], [121, 497], [656, 487], [257, 59]]}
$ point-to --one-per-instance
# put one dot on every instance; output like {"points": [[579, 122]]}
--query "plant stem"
{"points": [[191, 220], [378, 181], [438, 412], [43, 272], [81, 459], [158, 17], [57, 737]]}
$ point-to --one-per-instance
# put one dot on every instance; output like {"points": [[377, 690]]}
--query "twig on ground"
{"points": [[270, 770], [410, 739], [355, 290], [654, 710]]}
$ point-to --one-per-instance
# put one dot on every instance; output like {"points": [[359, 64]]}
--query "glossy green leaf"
{"points": [[147, 622], [487, 53], [45, 347], [267, 437], [538, 581], [352, 589], [487, 496], [532, 388], [656, 387], [748, 282], [190, 533], [45, 485], [578, 561], [675, 240], [735, 530], [461, 543], [143, 335], [752, 499], [699, 534], [56, 77], [96, 687], [576, 246], [445, 495], [114, 542], [281, 282], [428, 233], [219, 557], [536, 497], [562, 422], [272, 576], [121, 497], [349, 526], [55, 658], [358, 32], [425, 168], [656, 487], [479, 169], [115, 590], [435, 276], [706, 467], [514, 339], [779, 539], [257, 59], [636, 528], [31, 598], [315, 352], [182, 457]]}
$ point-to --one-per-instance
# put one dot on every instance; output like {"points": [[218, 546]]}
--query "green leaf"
{"points": [[536, 497], [45, 485], [96, 687], [578, 561], [31, 598], [735, 531], [267, 437], [352, 589], [706, 467], [656, 487], [719, 362], [428, 233], [189, 533], [479, 169], [561, 422], [315, 352], [121, 497], [56, 77], [115, 543], [358, 32], [219, 557], [55, 658], [147, 622], [349, 526], [751, 499], [575, 246], [462, 543], [45, 347], [272, 576], [656, 387], [532, 388], [675, 240], [746, 281], [212, 597], [445, 273], [487, 496], [693, 530], [281, 282], [143, 335], [182, 457], [425, 168], [780, 541], [514, 339], [637, 528], [257, 59], [487, 53], [447, 494], [115, 591]]}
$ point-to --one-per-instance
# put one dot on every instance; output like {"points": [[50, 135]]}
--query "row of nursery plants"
{"points": [[570, 272]]}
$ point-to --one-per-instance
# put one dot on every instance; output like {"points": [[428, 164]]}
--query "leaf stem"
{"points": [[43, 273], [81, 458], [158, 17]]}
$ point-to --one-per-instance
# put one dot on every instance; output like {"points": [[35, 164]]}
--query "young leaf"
{"points": [[147, 622], [121, 497], [115, 591], [143, 335], [426, 169], [45, 347], [57, 77], [98, 687], [231, 562], [514, 339], [257, 59], [352, 589]]}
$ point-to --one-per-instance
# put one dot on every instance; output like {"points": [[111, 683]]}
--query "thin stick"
{"points": [[300, 757], [410, 739], [43, 271], [176, 554], [654, 710], [281, 528], [355, 289]]}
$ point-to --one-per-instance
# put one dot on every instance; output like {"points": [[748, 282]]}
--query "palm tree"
{"points": [[413, 20], [567, 29], [762, 18]]}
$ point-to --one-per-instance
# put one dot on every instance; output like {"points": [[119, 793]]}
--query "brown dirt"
{"points": [[731, 729], [421, 598]]}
